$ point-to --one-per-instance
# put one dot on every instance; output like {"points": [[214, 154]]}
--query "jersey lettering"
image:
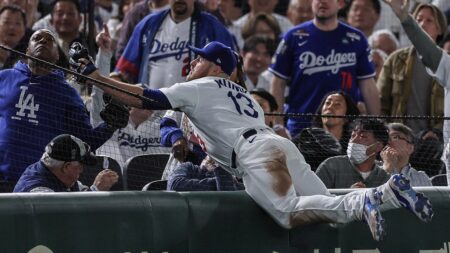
{"points": [[312, 63], [26, 103], [174, 48]]}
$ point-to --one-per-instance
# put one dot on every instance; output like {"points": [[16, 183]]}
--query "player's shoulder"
{"points": [[301, 29], [352, 33], [151, 18]]}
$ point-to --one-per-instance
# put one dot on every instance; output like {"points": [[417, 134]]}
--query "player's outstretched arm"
{"points": [[119, 95], [425, 46]]}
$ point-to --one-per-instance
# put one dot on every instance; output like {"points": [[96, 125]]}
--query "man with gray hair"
{"points": [[384, 40], [397, 153], [60, 167]]}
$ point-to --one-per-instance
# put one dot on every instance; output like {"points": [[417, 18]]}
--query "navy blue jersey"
{"points": [[318, 62], [35, 109]]}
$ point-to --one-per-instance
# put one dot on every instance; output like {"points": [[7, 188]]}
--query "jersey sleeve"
{"points": [[129, 63], [283, 59], [365, 67], [182, 95], [442, 73]]}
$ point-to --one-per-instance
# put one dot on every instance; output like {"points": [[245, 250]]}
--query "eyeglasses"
{"points": [[398, 137]]}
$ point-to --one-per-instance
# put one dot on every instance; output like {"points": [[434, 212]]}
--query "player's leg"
{"points": [[268, 181], [397, 192]]}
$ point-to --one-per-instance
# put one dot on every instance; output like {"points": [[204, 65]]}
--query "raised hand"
{"points": [[103, 39], [80, 61], [399, 7]]}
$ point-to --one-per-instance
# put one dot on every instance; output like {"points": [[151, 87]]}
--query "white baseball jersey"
{"points": [[443, 76], [230, 126], [214, 105], [169, 55]]}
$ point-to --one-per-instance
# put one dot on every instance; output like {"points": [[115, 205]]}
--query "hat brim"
{"points": [[198, 51]]}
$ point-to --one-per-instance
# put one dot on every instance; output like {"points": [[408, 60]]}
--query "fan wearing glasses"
{"points": [[397, 153]]}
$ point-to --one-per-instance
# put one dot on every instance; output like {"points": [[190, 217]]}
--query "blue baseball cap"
{"points": [[219, 54]]}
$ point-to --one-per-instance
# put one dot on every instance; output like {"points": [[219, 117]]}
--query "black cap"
{"points": [[68, 148], [267, 96]]}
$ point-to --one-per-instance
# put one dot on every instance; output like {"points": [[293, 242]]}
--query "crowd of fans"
{"points": [[336, 67]]}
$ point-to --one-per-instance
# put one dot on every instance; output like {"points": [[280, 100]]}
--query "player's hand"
{"points": [[105, 179], [80, 61], [399, 7], [180, 150], [103, 39], [115, 115], [358, 185]]}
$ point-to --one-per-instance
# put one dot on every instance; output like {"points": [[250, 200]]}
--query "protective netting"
{"points": [[37, 107]]}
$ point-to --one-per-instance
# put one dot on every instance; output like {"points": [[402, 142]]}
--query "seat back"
{"points": [[142, 169], [158, 185], [90, 172], [439, 180]]}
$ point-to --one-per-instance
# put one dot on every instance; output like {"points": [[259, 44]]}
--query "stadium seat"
{"points": [[158, 185], [90, 172], [439, 180], [141, 169]]}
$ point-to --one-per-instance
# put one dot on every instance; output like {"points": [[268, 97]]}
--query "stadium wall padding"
{"points": [[197, 222]]}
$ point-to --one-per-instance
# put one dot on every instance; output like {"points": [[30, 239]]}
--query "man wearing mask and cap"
{"points": [[60, 167], [358, 169]]}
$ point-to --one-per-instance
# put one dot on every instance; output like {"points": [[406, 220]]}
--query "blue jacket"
{"points": [[37, 175], [35, 109], [134, 61], [190, 177]]}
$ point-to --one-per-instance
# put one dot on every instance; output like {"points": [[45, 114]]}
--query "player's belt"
{"points": [[247, 134]]}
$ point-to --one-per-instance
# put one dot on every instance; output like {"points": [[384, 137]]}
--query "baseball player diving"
{"points": [[230, 126]]}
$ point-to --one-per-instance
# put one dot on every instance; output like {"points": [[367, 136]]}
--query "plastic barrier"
{"points": [[209, 222]]}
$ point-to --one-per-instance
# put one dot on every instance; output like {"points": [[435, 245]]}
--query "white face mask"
{"points": [[357, 152]]}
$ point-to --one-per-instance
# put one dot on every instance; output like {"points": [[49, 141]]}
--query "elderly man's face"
{"points": [[401, 143], [72, 171], [43, 45]]}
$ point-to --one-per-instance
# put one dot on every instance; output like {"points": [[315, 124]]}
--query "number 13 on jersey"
{"points": [[243, 104]]}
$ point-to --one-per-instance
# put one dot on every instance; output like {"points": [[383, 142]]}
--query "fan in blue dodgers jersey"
{"points": [[230, 125], [321, 56]]}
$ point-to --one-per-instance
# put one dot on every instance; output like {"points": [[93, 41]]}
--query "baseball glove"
{"points": [[115, 115], [78, 51]]}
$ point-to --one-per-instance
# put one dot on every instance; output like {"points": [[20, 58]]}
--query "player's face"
{"points": [[65, 18], [200, 67], [325, 9], [334, 105], [43, 45], [428, 23], [12, 28], [257, 60]]}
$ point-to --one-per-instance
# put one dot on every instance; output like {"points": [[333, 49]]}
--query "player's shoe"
{"points": [[416, 202], [372, 214]]}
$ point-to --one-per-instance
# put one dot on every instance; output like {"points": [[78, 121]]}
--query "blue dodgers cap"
{"points": [[219, 54]]}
